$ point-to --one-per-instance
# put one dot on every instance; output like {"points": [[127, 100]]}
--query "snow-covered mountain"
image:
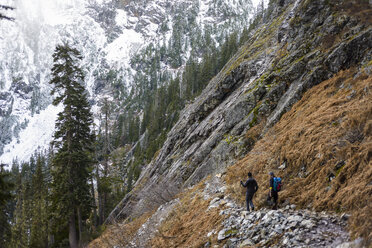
{"points": [[108, 34], [26, 116]]}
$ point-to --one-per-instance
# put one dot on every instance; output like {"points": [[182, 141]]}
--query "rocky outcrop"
{"points": [[303, 44], [6, 103], [22, 89]]}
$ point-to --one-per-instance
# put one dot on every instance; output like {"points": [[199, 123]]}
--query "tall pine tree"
{"points": [[73, 144], [39, 220], [22, 212]]}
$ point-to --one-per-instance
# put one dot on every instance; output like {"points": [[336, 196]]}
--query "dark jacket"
{"points": [[251, 186], [271, 183]]}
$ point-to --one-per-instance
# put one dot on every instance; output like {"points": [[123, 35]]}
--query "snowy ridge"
{"points": [[108, 34]]}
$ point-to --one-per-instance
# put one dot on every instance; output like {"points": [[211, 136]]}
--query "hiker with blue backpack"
{"points": [[275, 187], [252, 187]]}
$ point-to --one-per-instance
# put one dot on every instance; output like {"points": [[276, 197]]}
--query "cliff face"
{"points": [[303, 44]]}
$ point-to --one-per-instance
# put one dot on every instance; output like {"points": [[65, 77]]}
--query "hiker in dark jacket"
{"points": [[273, 193], [252, 187]]}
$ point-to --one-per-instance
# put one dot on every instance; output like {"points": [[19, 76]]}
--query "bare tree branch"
{"points": [[2, 16]]}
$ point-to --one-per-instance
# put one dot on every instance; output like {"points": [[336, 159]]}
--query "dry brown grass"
{"points": [[188, 224], [359, 8], [329, 40], [120, 234], [325, 127]]}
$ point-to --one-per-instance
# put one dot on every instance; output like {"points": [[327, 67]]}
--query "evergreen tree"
{"points": [[73, 143], [39, 221], [244, 36], [5, 196], [118, 131], [26, 206], [206, 72], [22, 212], [104, 185]]}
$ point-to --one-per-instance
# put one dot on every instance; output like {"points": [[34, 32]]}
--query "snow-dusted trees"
{"points": [[73, 144]]}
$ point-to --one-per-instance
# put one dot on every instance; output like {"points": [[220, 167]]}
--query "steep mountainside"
{"points": [[303, 44]]}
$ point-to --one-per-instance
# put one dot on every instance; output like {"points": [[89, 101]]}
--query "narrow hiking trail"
{"points": [[285, 227]]}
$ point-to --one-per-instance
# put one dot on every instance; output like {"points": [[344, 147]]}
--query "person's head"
{"points": [[271, 174], [249, 174]]}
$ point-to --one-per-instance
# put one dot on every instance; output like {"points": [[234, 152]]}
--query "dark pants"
{"points": [[274, 194], [248, 200]]}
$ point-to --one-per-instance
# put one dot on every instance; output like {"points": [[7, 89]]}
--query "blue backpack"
{"points": [[277, 186]]}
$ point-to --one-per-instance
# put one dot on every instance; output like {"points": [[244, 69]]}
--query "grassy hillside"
{"points": [[325, 141]]}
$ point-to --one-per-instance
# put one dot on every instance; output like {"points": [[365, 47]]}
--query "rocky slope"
{"points": [[303, 44]]}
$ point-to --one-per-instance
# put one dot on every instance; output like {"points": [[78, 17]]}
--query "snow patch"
{"points": [[125, 45], [36, 136], [121, 18], [257, 2]]}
